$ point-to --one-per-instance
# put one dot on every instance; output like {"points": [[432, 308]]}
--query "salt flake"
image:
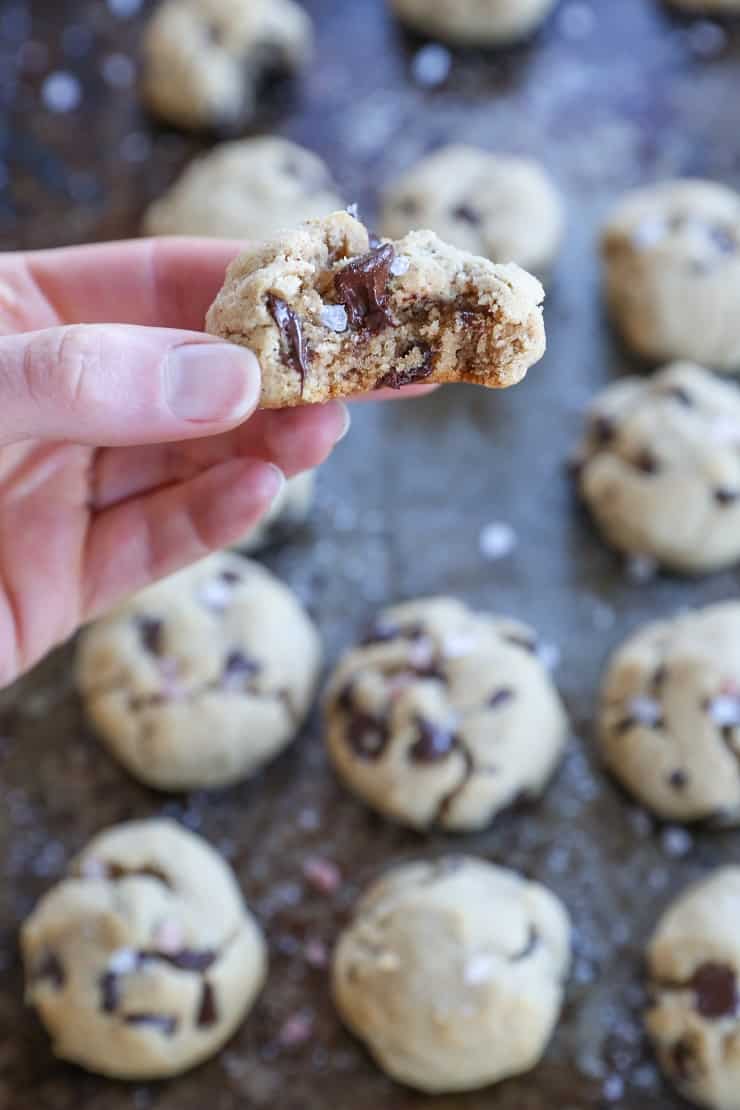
{"points": [[400, 265], [334, 317]]}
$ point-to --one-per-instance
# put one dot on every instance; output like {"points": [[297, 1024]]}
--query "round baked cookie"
{"points": [[694, 973], [144, 961], [444, 717], [495, 205], [289, 511], [708, 7], [474, 22], [200, 679], [205, 61], [659, 467], [671, 255], [670, 715], [452, 973], [245, 190]]}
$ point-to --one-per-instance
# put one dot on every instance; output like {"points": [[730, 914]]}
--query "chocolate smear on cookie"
{"points": [[289, 323]]}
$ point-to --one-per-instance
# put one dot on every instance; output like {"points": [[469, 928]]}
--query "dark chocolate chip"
{"points": [[679, 780], [603, 430], [214, 33], [295, 348], [683, 1058], [345, 698], [383, 631], [49, 970], [238, 666], [230, 577], [533, 939], [724, 496], [525, 642], [467, 214], [407, 207], [116, 872], [722, 239], [150, 633], [110, 995], [646, 462], [408, 375], [161, 1022], [187, 959], [715, 988], [367, 736], [207, 1008], [659, 677], [678, 393], [500, 697], [362, 287], [434, 742]]}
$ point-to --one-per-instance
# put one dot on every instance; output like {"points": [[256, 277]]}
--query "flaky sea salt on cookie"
{"points": [[331, 312]]}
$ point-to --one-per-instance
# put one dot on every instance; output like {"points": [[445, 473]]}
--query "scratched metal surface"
{"points": [[612, 93]]}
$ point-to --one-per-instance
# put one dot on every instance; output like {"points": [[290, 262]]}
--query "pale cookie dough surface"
{"points": [[202, 678], [444, 717], [659, 467], [245, 190], [694, 980], [671, 255], [474, 22], [206, 60], [495, 205], [144, 961], [328, 315], [289, 511], [452, 973], [670, 715]]}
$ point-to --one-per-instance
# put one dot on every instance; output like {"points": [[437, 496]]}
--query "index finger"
{"points": [[153, 282]]}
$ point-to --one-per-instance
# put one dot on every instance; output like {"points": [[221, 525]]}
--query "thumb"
{"points": [[106, 384]]}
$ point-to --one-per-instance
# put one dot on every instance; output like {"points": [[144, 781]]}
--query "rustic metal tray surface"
{"points": [[614, 92]]}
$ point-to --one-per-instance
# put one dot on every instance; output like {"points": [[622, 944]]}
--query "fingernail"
{"points": [[211, 382], [347, 422]]}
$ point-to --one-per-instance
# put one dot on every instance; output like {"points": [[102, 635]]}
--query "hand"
{"points": [[123, 449]]}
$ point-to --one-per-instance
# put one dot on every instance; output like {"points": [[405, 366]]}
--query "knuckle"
{"points": [[60, 365]]}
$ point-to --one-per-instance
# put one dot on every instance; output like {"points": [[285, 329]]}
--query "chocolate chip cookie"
{"points": [[694, 981], [671, 255], [206, 61], [659, 468], [669, 725], [452, 973], [144, 961], [245, 190], [444, 717], [330, 312], [202, 678], [494, 205], [474, 22]]}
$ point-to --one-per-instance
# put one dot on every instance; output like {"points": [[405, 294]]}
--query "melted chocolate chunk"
{"points": [[207, 1008], [346, 698], [683, 1058], [238, 666], [367, 736], [151, 631], [527, 643], [187, 959], [161, 1022], [646, 462], [603, 430], [110, 995], [361, 286], [408, 375], [296, 351], [435, 742], [724, 496], [533, 939], [678, 393], [230, 577], [679, 780], [467, 214], [49, 970], [659, 677], [500, 697], [715, 988], [116, 872]]}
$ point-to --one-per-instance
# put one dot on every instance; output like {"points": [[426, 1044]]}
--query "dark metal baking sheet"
{"points": [[613, 92]]}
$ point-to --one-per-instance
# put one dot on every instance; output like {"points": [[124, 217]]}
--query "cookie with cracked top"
{"points": [[330, 313], [659, 467], [203, 677], [669, 726], [671, 262], [444, 717], [145, 959], [495, 205], [206, 61], [452, 972], [694, 982]]}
